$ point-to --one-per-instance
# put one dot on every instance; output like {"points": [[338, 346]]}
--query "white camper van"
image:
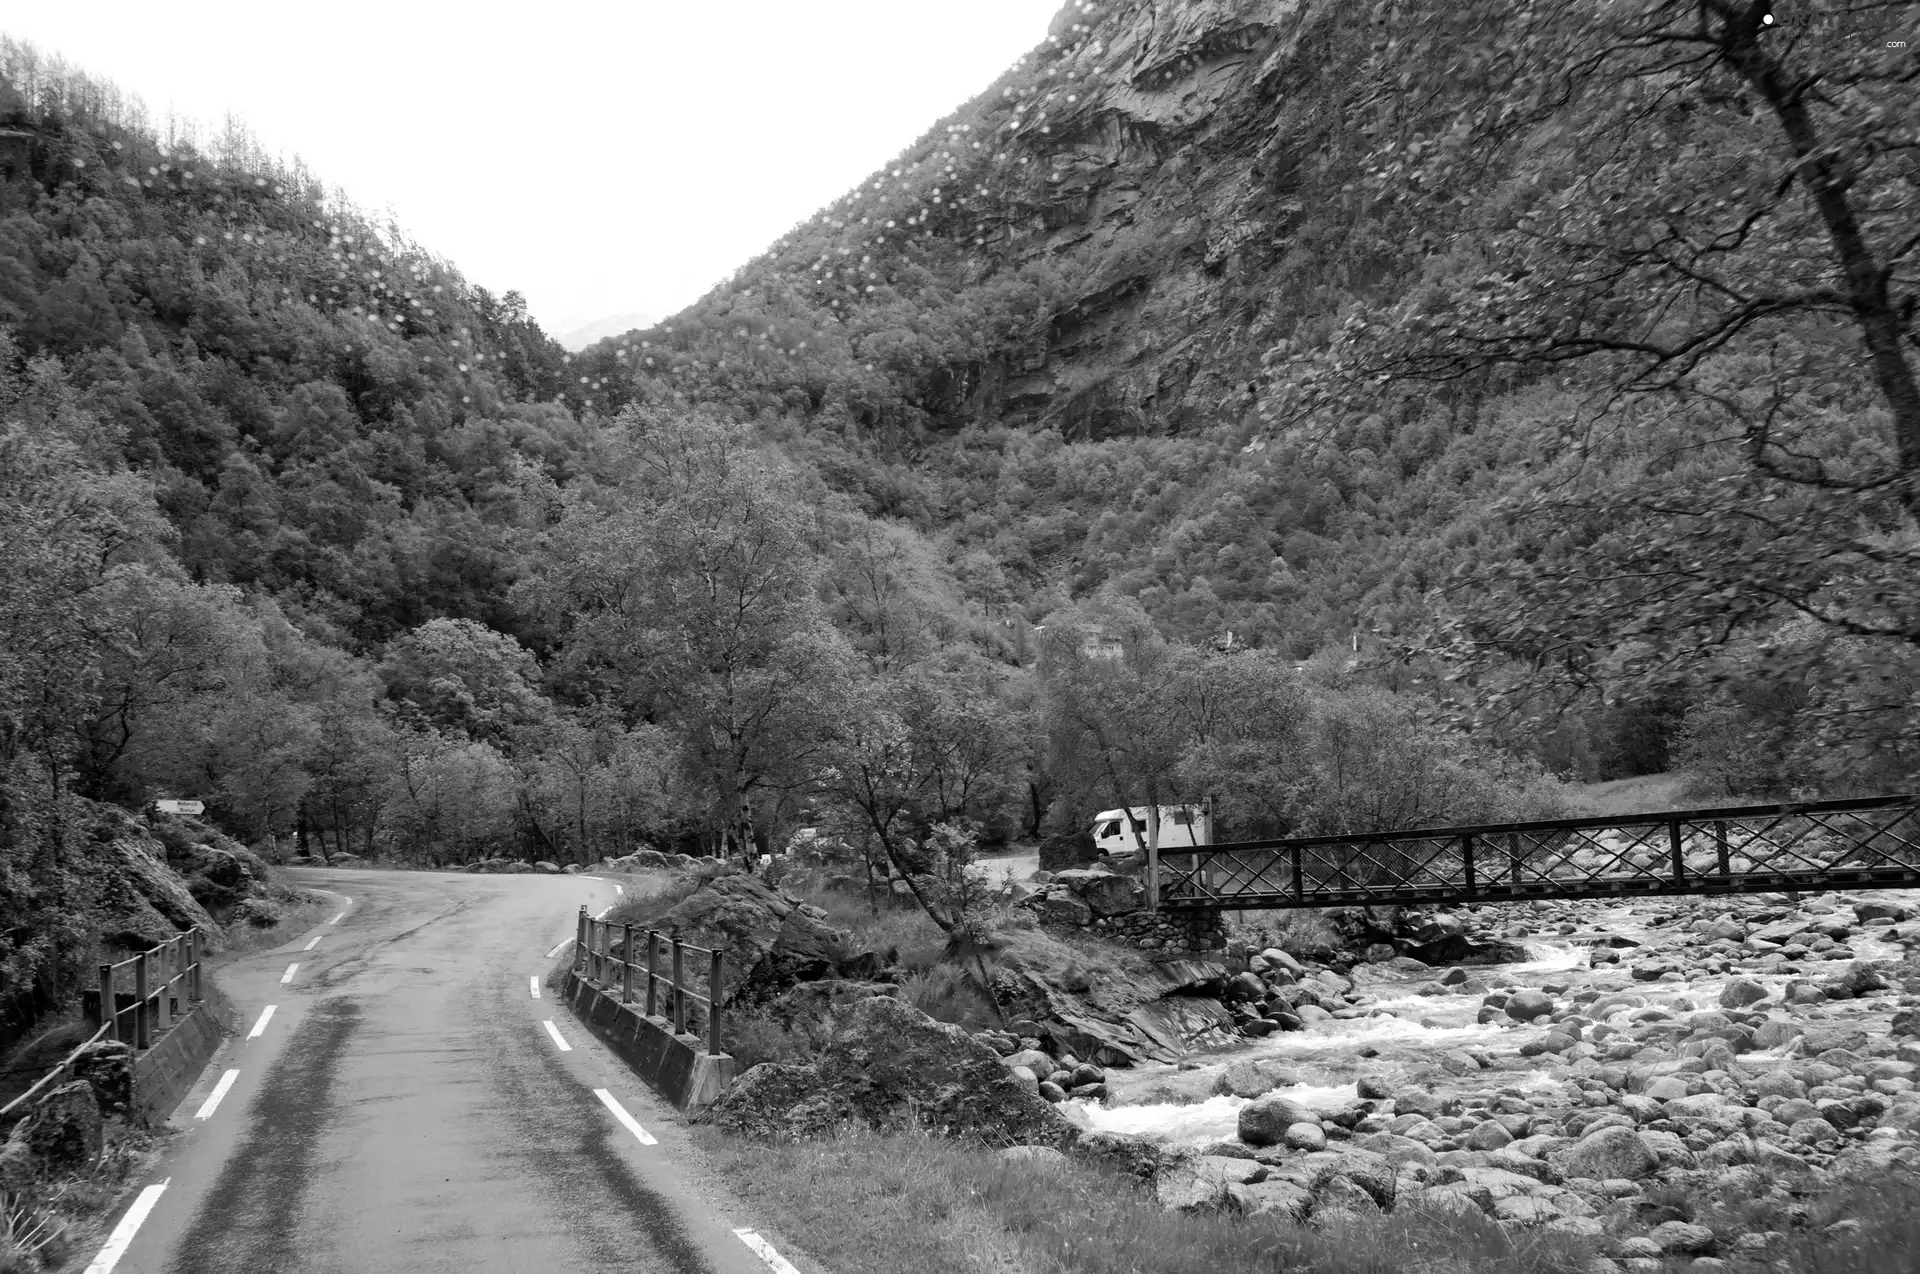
{"points": [[1180, 825]]}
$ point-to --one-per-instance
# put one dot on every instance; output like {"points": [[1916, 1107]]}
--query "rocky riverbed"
{"points": [[1761, 1047]]}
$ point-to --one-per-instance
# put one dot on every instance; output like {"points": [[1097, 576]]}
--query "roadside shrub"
{"points": [[950, 993], [754, 1035]]}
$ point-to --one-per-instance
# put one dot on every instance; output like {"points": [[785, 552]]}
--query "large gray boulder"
{"points": [[1254, 1077], [1610, 1152], [888, 1065], [1264, 1122], [1200, 1183], [1372, 1172], [771, 940], [1104, 892], [140, 901], [1741, 992], [1525, 1006]]}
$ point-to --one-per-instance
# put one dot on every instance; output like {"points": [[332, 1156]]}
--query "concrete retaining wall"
{"points": [[675, 1066], [163, 1074]]}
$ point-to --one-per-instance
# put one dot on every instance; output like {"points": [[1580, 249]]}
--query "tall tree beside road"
{"points": [[918, 750], [688, 597], [1113, 685]]}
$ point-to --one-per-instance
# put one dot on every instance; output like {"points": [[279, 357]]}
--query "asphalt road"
{"points": [[405, 1107]]}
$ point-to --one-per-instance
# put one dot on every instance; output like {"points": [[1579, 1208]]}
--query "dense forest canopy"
{"points": [[1361, 415]]}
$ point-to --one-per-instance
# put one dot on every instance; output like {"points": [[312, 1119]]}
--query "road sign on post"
{"points": [[181, 807]]}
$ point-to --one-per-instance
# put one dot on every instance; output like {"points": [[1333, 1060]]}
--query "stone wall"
{"points": [[1102, 901]]}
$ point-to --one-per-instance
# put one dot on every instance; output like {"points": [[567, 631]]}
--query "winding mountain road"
{"points": [[396, 1098]]}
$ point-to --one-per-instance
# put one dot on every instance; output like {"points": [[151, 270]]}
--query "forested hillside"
{"points": [[1357, 414], [1581, 348]]}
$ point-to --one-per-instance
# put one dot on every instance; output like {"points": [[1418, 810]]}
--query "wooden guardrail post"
{"points": [[626, 962], [580, 940], [109, 1003], [713, 1006], [142, 1008], [679, 1000], [170, 991], [653, 944], [194, 987]]}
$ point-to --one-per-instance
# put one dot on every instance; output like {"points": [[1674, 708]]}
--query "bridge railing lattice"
{"points": [[1864, 842]]}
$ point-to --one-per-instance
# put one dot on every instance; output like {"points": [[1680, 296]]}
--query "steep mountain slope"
{"points": [[1047, 330], [1105, 242], [1071, 329]]}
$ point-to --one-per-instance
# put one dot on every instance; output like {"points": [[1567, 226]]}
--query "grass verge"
{"points": [[874, 1203], [878, 1203]]}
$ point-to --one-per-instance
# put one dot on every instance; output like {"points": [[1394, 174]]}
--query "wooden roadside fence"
{"points": [[136, 1019], [594, 960]]}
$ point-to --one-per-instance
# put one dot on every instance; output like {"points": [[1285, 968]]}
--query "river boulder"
{"points": [[1264, 1122], [1609, 1152]]}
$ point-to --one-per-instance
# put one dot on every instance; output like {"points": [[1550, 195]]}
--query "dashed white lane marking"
{"points": [[122, 1237], [213, 1098], [608, 1100], [557, 950], [259, 1028], [288, 975], [533, 984], [343, 911], [557, 1037], [316, 942], [764, 1250]]}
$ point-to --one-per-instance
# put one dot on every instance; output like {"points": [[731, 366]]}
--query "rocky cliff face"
{"points": [[1112, 239], [1160, 188]]}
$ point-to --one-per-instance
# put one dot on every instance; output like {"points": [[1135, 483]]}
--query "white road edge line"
{"points": [[288, 975], [764, 1250], [259, 1028], [619, 889], [557, 1037], [557, 950], [316, 942], [213, 1098], [533, 984], [608, 1100], [122, 1237], [343, 911]]}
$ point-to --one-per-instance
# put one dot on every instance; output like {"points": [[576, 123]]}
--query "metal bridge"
{"points": [[1868, 843]]}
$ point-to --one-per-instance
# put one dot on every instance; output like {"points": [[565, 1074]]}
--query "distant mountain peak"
{"points": [[575, 339]]}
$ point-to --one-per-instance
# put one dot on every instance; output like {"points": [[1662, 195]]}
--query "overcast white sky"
{"points": [[598, 156]]}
